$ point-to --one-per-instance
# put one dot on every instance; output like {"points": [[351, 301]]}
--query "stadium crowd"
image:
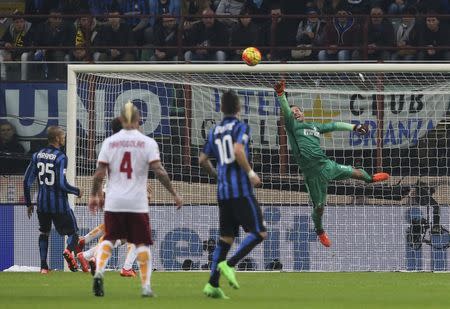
{"points": [[210, 30]]}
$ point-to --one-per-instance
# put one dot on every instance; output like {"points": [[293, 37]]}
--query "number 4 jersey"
{"points": [[128, 154], [49, 167], [232, 180]]}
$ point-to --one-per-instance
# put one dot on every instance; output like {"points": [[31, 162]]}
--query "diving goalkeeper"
{"points": [[317, 168]]}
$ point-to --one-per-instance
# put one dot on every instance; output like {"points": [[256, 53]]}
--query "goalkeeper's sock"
{"points": [[219, 255], [247, 245], [43, 250], [317, 219], [93, 234], [104, 252], [131, 256], [144, 258], [366, 177]]}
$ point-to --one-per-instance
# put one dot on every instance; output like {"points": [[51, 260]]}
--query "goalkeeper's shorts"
{"points": [[317, 183]]}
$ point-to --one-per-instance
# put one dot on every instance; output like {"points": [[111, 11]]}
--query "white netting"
{"points": [[373, 227]]}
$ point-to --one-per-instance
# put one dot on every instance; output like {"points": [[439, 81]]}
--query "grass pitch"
{"points": [[258, 290]]}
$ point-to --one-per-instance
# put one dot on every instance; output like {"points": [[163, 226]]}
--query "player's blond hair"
{"points": [[53, 132], [130, 113]]}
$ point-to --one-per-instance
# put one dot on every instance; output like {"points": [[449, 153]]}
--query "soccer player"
{"points": [[228, 143], [318, 170], [87, 258], [49, 165], [126, 157]]}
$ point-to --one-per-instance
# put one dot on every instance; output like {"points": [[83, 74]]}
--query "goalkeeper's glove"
{"points": [[280, 87], [361, 129]]}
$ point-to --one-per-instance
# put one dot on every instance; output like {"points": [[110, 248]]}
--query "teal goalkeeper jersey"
{"points": [[304, 139]]}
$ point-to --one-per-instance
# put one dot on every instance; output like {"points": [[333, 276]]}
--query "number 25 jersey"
{"points": [[128, 154]]}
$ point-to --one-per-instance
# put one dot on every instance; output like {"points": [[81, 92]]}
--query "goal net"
{"points": [[398, 225]]}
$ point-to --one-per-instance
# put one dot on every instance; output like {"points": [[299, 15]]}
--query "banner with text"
{"points": [[365, 238], [407, 117]]}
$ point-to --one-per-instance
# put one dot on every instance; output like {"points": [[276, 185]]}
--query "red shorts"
{"points": [[134, 227]]}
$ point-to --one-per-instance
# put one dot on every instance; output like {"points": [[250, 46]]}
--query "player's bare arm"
{"points": [[206, 164], [96, 200], [163, 177], [241, 158]]}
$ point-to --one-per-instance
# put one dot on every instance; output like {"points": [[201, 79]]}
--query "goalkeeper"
{"points": [[317, 168]]}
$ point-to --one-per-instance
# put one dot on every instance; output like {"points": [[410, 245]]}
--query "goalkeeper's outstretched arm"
{"points": [[285, 108], [361, 129]]}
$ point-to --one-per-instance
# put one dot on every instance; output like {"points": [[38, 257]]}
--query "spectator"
{"points": [[143, 34], [358, 6], [86, 34], [423, 6], [259, 7], [81, 53], [244, 33], [397, 7], [229, 7], [380, 34], [55, 32], [435, 34], [406, 35], [280, 34], [102, 7], [20, 34], [309, 33], [113, 34], [166, 35], [205, 35], [39, 7], [330, 7], [71, 7], [192, 7], [8, 139], [162, 7], [343, 30]]}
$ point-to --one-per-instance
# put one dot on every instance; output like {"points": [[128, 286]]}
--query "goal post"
{"points": [[373, 227]]}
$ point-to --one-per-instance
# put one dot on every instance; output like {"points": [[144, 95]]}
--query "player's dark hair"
{"points": [[230, 104], [116, 125]]}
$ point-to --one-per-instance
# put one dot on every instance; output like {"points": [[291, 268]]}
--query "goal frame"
{"points": [[73, 69]]}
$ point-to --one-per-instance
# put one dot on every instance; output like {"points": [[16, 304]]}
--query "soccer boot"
{"points": [[380, 177], [68, 256], [44, 271], [127, 272], [229, 273], [213, 292], [98, 287], [80, 245], [83, 262], [147, 292], [324, 240], [92, 265]]}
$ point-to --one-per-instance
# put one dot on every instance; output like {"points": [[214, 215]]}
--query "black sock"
{"points": [[43, 249], [219, 255], [72, 241], [247, 245]]}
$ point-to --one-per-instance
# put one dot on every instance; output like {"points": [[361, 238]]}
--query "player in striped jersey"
{"points": [[49, 165], [228, 143]]}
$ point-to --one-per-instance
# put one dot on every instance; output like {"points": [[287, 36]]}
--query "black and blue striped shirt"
{"points": [[232, 180], [49, 166]]}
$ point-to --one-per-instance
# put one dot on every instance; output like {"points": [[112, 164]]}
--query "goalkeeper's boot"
{"points": [[380, 177], [71, 262], [229, 273], [98, 287], [213, 292], [83, 262], [128, 272], [324, 240], [92, 265], [147, 292]]}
